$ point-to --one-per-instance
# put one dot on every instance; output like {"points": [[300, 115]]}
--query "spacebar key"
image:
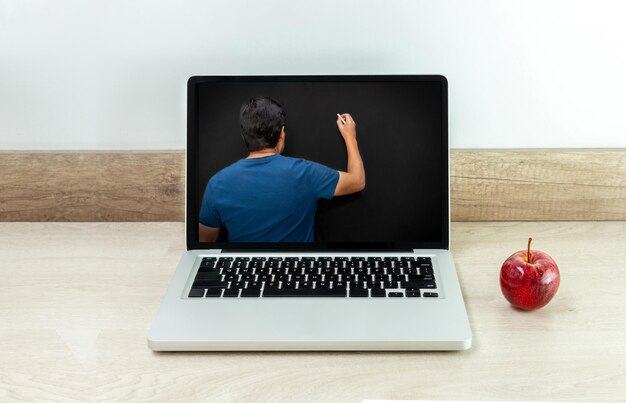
{"points": [[304, 292]]}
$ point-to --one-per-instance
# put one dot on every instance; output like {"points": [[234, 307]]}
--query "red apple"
{"points": [[529, 278]]}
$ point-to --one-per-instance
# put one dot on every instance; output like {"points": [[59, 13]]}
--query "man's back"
{"points": [[267, 199]]}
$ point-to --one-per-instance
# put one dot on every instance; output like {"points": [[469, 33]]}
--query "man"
{"points": [[268, 197]]}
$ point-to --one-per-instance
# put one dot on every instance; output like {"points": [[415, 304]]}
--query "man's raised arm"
{"points": [[353, 180]]}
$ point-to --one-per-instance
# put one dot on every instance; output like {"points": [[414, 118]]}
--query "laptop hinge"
{"points": [[419, 250], [217, 251]]}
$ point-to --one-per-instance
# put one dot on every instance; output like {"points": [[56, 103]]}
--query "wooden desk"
{"points": [[77, 299]]}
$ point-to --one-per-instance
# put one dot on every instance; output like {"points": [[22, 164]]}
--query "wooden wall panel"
{"points": [[486, 185], [535, 185], [92, 186]]}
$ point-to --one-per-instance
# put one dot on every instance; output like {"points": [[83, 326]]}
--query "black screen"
{"points": [[401, 133]]}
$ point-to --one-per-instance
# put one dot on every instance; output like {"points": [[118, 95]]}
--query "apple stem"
{"points": [[528, 253]]}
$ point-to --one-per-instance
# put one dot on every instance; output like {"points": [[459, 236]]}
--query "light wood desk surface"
{"points": [[77, 299]]}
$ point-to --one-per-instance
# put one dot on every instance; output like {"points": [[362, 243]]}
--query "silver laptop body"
{"points": [[312, 323]]}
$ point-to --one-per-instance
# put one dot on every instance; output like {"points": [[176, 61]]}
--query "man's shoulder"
{"points": [[296, 162], [227, 172], [283, 159]]}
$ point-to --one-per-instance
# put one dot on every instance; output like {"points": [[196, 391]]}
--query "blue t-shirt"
{"points": [[267, 199]]}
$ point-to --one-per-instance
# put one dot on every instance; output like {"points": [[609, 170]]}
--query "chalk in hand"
{"points": [[342, 119]]}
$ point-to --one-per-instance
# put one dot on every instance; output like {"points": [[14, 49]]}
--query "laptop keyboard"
{"points": [[356, 277]]}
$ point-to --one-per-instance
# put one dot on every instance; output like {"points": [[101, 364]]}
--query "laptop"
{"points": [[378, 273]]}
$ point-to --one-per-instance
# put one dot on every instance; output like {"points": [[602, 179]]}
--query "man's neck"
{"points": [[262, 153]]}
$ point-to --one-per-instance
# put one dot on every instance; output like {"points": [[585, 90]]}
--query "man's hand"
{"points": [[353, 180], [347, 130]]}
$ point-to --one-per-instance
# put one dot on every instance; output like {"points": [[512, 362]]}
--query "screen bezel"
{"points": [[192, 190]]}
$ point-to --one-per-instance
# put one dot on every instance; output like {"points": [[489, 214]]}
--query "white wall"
{"points": [[78, 74]]}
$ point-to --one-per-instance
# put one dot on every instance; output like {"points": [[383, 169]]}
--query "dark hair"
{"points": [[261, 121]]}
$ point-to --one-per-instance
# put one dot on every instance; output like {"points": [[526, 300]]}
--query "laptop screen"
{"points": [[284, 197]]}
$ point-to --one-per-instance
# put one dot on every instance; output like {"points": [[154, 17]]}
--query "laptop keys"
{"points": [[358, 277], [359, 292], [231, 292], [196, 292], [251, 292], [304, 292], [378, 293]]}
